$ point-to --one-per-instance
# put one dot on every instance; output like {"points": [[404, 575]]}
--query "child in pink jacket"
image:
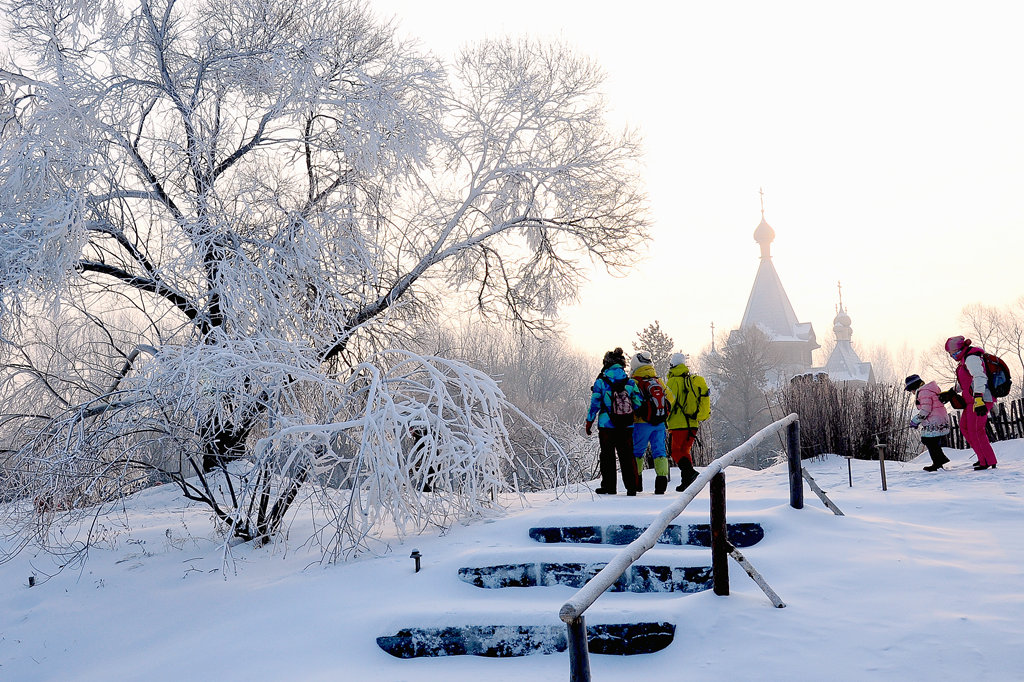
{"points": [[931, 417]]}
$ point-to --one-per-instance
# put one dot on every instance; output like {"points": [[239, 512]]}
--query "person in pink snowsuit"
{"points": [[973, 385], [931, 417]]}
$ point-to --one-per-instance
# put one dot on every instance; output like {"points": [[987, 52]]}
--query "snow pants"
{"points": [[973, 428], [680, 443], [617, 441], [934, 445], [645, 434]]}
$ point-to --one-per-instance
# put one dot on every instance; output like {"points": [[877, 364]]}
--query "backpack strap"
{"points": [[687, 389]]}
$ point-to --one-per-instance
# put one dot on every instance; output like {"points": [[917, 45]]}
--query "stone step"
{"points": [[501, 641], [639, 578], [698, 534]]}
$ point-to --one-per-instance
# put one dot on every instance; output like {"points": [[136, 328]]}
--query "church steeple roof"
{"points": [[768, 305], [764, 234], [843, 363]]}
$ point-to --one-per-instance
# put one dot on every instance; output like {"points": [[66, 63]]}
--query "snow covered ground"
{"points": [[923, 581]]}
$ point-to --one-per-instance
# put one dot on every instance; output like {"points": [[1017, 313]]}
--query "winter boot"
{"points": [[687, 479], [933, 467], [687, 474], [660, 483]]}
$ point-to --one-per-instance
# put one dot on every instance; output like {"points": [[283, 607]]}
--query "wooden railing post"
{"points": [[796, 479], [579, 656], [719, 539]]}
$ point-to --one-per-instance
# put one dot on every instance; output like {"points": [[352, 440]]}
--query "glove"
{"points": [[590, 426], [914, 422], [979, 406], [955, 400]]}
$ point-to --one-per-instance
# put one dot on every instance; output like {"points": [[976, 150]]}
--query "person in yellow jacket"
{"points": [[649, 420], [691, 406]]}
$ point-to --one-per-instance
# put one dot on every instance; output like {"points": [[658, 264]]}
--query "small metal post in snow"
{"points": [[880, 446], [849, 468]]}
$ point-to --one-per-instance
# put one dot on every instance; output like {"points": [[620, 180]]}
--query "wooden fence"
{"points": [[1004, 423], [850, 420]]}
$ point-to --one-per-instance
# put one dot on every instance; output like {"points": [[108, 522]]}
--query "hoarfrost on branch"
{"points": [[215, 219]]}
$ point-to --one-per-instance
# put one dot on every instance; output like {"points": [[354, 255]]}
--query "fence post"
{"points": [[579, 657], [796, 479], [719, 539], [881, 459]]}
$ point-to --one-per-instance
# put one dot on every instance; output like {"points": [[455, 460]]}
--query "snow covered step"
{"points": [[501, 641], [639, 578], [699, 534]]}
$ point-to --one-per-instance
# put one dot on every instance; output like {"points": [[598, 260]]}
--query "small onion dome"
{"points": [[764, 235], [842, 320]]}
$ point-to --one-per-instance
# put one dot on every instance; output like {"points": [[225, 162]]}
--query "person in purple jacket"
{"points": [[931, 417]]}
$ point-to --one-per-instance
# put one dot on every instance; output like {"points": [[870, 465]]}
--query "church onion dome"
{"points": [[842, 320], [764, 235], [764, 232]]}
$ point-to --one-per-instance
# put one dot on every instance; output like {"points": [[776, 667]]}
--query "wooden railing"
{"points": [[1005, 422], [572, 612]]}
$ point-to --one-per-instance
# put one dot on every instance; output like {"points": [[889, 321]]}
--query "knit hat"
{"points": [[676, 359], [912, 382], [955, 344], [614, 357], [641, 358]]}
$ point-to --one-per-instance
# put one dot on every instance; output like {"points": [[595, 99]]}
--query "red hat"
{"points": [[955, 344]]}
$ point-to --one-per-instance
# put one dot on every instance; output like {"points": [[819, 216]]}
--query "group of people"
{"points": [[970, 394], [636, 410]]}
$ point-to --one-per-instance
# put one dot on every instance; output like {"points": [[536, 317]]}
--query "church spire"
{"points": [[842, 324], [764, 234]]}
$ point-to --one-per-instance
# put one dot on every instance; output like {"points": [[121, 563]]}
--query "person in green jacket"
{"points": [[692, 406]]}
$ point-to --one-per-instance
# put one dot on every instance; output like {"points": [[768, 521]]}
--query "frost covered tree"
{"points": [[216, 218], [659, 344], [545, 378], [741, 372]]}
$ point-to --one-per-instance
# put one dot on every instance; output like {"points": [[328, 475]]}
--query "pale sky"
{"points": [[888, 138]]}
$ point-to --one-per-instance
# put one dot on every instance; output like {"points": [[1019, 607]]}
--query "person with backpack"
{"points": [[649, 424], [972, 380], [692, 406], [931, 417], [614, 399]]}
